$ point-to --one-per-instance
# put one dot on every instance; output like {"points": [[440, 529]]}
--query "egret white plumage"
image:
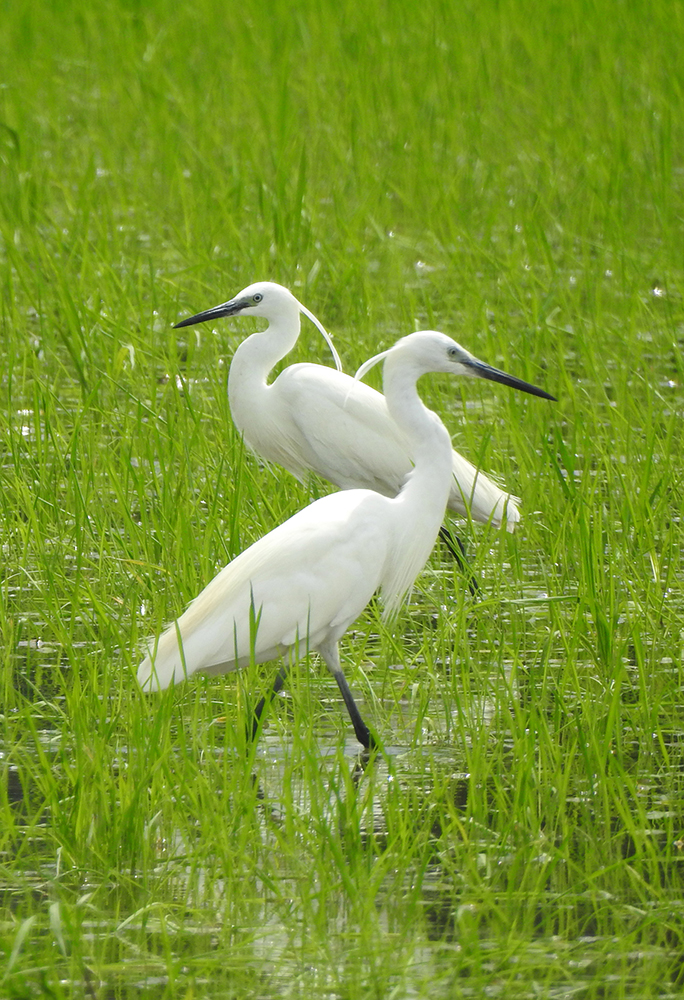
{"points": [[313, 418], [299, 587]]}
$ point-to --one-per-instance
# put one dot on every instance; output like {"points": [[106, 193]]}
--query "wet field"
{"points": [[503, 173]]}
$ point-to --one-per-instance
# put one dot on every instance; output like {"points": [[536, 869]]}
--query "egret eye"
{"points": [[257, 297], [452, 352]]}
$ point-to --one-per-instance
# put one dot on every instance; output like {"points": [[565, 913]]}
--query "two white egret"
{"points": [[299, 587], [313, 418]]}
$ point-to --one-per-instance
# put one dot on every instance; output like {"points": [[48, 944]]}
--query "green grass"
{"points": [[506, 172]]}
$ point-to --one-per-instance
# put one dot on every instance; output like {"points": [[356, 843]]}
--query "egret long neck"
{"points": [[419, 508], [429, 484], [252, 362]]}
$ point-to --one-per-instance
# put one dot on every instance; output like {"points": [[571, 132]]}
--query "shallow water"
{"points": [[258, 932], [413, 877]]}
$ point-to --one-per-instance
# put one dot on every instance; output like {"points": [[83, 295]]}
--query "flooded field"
{"points": [[506, 173], [457, 862]]}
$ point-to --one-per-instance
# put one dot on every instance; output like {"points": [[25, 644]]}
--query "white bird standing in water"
{"points": [[300, 587], [313, 418]]}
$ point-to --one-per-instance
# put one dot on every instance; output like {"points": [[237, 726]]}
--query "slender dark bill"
{"points": [[217, 312], [482, 370]]}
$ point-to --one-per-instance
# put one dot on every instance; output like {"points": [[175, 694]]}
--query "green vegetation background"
{"points": [[509, 172]]}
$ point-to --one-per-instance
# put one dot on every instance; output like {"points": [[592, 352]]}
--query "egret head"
{"points": [[268, 300], [263, 298], [431, 351]]}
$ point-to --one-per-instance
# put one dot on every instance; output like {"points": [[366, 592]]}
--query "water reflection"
{"points": [[434, 845]]}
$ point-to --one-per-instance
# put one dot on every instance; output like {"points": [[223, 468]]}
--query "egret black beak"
{"points": [[482, 370], [218, 312]]}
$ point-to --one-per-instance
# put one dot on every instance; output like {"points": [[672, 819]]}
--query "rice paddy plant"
{"points": [[504, 172]]}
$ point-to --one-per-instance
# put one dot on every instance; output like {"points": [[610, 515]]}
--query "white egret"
{"points": [[299, 587], [313, 418]]}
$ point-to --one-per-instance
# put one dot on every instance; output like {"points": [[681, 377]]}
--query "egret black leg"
{"points": [[332, 658], [363, 733], [457, 549], [278, 683]]}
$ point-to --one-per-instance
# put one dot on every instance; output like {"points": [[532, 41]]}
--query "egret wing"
{"points": [[344, 429], [474, 494], [296, 587]]}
